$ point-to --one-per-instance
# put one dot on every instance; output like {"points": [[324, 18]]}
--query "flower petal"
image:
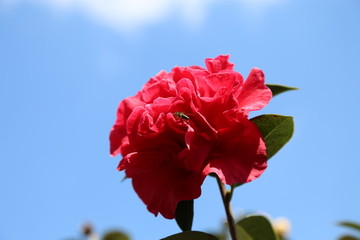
{"points": [[159, 86], [159, 182], [219, 63], [199, 143], [118, 133], [240, 155], [254, 94]]}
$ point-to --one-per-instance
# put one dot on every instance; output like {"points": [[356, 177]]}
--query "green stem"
{"points": [[226, 197]]}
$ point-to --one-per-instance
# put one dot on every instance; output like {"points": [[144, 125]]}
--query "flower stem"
{"points": [[226, 200]]}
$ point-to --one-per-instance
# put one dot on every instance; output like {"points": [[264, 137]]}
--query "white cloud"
{"points": [[130, 15]]}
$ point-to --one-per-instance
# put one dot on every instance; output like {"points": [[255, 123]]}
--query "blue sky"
{"points": [[65, 66]]}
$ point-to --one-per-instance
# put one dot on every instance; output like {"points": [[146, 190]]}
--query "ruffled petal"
{"points": [[240, 154], [254, 94], [214, 108], [228, 80], [199, 139], [219, 63], [118, 133], [159, 182], [159, 86]]}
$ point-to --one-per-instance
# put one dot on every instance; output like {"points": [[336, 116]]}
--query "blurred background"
{"points": [[66, 64]]}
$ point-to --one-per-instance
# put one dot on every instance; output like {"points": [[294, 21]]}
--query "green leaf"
{"points": [[219, 236], [276, 131], [191, 235], [258, 228], [115, 235], [277, 89], [348, 237], [242, 234], [352, 225], [184, 214]]}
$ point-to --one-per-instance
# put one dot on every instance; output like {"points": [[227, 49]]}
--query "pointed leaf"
{"points": [[191, 235], [277, 89], [276, 131], [184, 214], [352, 225], [258, 228]]}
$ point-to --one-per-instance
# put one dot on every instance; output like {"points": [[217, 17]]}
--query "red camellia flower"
{"points": [[186, 124]]}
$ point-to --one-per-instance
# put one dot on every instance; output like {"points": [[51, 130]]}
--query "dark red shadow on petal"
{"points": [[240, 154], [159, 181]]}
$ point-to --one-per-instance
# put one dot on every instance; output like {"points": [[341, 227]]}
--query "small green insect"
{"points": [[181, 115]]}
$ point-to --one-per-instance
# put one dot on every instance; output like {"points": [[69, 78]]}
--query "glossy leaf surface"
{"points": [[276, 89], [276, 131], [258, 228]]}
